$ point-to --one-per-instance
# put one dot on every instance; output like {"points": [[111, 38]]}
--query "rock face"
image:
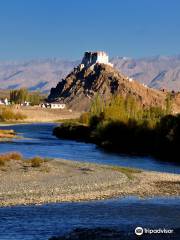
{"points": [[81, 86]]}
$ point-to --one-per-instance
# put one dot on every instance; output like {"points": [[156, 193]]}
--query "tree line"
{"points": [[122, 125], [19, 96]]}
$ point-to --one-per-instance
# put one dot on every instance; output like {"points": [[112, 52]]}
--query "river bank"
{"points": [[133, 138], [7, 134], [70, 181], [35, 114], [38, 114]]}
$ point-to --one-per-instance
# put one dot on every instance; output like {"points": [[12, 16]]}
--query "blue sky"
{"points": [[66, 28]]}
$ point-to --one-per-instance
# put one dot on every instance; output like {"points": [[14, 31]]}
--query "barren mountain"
{"points": [[35, 74], [156, 72], [81, 86]]}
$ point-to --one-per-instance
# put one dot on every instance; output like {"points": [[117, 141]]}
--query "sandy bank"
{"points": [[5, 134], [62, 180], [37, 114]]}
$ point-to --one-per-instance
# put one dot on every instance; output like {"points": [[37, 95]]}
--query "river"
{"points": [[42, 222], [37, 140]]}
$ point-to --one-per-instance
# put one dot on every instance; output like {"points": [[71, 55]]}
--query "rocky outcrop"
{"points": [[81, 86]]}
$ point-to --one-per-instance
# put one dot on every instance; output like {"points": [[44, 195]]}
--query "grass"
{"points": [[4, 158], [68, 120], [7, 114], [127, 171], [33, 162]]}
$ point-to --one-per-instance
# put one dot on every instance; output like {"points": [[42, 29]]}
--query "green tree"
{"points": [[168, 104]]}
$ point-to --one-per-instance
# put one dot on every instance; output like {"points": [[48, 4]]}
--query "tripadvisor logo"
{"points": [[139, 231]]}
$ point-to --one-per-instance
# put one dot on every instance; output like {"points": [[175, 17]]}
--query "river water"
{"points": [[37, 139], [42, 222]]}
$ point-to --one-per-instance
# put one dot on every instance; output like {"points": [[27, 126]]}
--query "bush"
{"points": [[2, 162], [15, 156], [72, 131], [36, 161], [84, 118], [9, 156]]}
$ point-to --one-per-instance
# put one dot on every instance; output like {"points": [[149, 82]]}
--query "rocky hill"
{"points": [[42, 74], [80, 87]]}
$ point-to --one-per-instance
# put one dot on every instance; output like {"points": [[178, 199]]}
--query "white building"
{"points": [[4, 102], [26, 104], [91, 58], [57, 105]]}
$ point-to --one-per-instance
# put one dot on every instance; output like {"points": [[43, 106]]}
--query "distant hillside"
{"points": [[35, 74], [156, 72], [4, 93]]}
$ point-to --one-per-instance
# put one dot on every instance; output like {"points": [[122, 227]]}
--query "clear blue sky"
{"points": [[66, 28]]}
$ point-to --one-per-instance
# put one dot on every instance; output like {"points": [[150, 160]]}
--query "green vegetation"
{"points": [[7, 114], [129, 172], [123, 109], [75, 131], [21, 95], [123, 125]]}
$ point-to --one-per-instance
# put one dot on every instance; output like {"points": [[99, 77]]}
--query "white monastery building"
{"points": [[91, 58]]}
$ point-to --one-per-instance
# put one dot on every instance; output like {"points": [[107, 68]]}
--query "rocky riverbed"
{"points": [[64, 180]]}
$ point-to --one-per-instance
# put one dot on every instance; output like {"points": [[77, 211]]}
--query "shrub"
{"points": [[72, 131], [9, 156], [36, 161], [84, 118], [2, 162], [15, 156], [7, 114]]}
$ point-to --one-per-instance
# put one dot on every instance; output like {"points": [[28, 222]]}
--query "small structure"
{"points": [[91, 58], [25, 104], [54, 105], [57, 105], [4, 102]]}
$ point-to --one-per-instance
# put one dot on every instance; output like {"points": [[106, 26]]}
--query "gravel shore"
{"points": [[64, 180]]}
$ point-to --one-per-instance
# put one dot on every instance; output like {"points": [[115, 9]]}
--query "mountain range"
{"points": [[43, 74]]}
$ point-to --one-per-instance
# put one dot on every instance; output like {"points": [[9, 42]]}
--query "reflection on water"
{"points": [[42, 222], [38, 140]]}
